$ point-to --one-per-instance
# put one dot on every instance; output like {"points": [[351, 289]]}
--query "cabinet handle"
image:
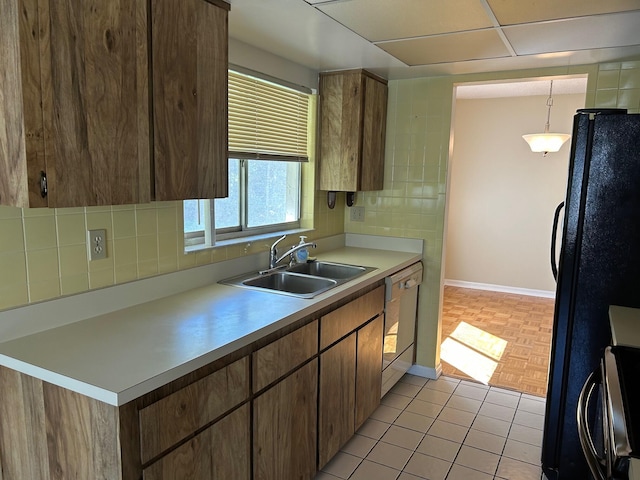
{"points": [[43, 185]]}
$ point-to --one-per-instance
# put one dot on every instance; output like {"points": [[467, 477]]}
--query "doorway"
{"points": [[498, 295]]}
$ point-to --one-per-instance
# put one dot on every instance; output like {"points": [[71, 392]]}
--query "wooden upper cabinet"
{"points": [[84, 103], [78, 101], [353, 115], [190, 60]]}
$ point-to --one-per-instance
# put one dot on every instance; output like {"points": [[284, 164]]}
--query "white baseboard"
{"points": [[426, 372], [501, 288]]}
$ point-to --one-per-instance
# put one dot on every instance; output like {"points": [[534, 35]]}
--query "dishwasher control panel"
{"points": [[403, 280]]}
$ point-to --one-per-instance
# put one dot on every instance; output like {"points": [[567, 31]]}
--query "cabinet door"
{"points": [[336, 398], [220, 452], [189, 45], [373, 134], [94, 74], [284, 427], [368, 370], [20, 65], [177, 416], [340, 131]]}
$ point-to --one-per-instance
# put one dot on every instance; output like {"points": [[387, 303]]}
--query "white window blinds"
{"points": [[266, 121]]}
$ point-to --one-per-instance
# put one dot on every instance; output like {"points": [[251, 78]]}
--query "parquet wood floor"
{"points": [[524, 322]]}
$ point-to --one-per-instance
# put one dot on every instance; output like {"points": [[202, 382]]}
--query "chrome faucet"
{"points": [[273, 252]]}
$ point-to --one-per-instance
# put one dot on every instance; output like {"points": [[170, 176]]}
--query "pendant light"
{"points": [[546, 142]]}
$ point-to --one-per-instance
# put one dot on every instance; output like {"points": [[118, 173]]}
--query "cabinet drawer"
{"points": [[349, 317], [283, 355], [219, 452], [169, 420]]}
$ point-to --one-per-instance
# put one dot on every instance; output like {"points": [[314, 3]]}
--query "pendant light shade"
{"points": [[546, 142]]}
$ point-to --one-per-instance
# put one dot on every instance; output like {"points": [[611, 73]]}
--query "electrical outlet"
{"points": [[97, 244], [357, 214]]}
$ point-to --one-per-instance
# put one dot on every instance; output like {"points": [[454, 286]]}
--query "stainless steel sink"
{"points": [[303, 280], [337, 271], [291, 283]]}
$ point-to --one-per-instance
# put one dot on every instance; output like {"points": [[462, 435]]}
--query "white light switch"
{"points": [[97, 243]]}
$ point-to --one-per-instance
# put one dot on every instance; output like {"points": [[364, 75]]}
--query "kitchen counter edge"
{"points": [[76, 357]]}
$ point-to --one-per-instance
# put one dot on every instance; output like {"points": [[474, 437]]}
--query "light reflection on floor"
{"points": [[473, 351]]}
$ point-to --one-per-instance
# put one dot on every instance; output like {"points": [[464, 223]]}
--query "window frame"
{"points": [[278, 148]]}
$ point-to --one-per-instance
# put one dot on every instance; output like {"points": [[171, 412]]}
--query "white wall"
{"points": [[252, 58], [502, 196]]}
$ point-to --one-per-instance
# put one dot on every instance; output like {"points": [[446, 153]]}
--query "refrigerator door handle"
{"points": [[554, 234]]}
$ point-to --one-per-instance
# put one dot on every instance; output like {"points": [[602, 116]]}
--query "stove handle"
{"points": [[595, 461]]}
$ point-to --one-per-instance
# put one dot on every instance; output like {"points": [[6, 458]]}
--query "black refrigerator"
{"points": [[599, 266]]}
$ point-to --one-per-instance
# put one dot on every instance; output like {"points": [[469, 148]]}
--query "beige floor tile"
{"points": [[402, 437], [497, 411], [442, 385], [369, 470], [342, 465], [414, 379], [469, 391], [527, 419], [373, 429], [406, 389], [529, 435], [459, 417], [522, 451], [458, 472], [448, 431], [359, 446], [390, 455], [485, 441], [421, 407], [491, 425], [476, 459], [433, 396], [414, 421], [439, 448], [386, 414], [425, 466], [504, 399], [395, 401], [464, 403], [515, 470], [532, 406]]}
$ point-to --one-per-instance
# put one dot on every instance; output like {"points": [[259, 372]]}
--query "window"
{"points": [[267, 144]]}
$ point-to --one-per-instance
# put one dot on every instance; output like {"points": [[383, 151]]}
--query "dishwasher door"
{"points": [[400, 324]]}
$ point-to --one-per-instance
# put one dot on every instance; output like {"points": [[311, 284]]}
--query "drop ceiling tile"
{"points": [[602, 31], [378, 20], [456, 47], [510, 12]]}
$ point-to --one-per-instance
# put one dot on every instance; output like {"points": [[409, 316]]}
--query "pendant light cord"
{"points": [[549, 105]]}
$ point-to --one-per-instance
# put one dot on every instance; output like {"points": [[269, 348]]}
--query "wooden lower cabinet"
{"points": [[284, 427], [350, 371], [368, 370], [336, 398], [306, 402], [220, 452]]}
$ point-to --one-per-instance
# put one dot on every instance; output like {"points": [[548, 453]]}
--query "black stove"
{"points": [[624, 398]]}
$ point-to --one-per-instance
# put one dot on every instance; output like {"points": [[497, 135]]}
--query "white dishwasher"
{"points": [[401, 304]]}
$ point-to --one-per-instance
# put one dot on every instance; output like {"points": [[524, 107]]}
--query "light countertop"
{"points": [[119, 356], [625, 325]]}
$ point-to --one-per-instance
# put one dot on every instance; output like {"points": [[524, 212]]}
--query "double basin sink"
{"points": [[303, 280]]}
